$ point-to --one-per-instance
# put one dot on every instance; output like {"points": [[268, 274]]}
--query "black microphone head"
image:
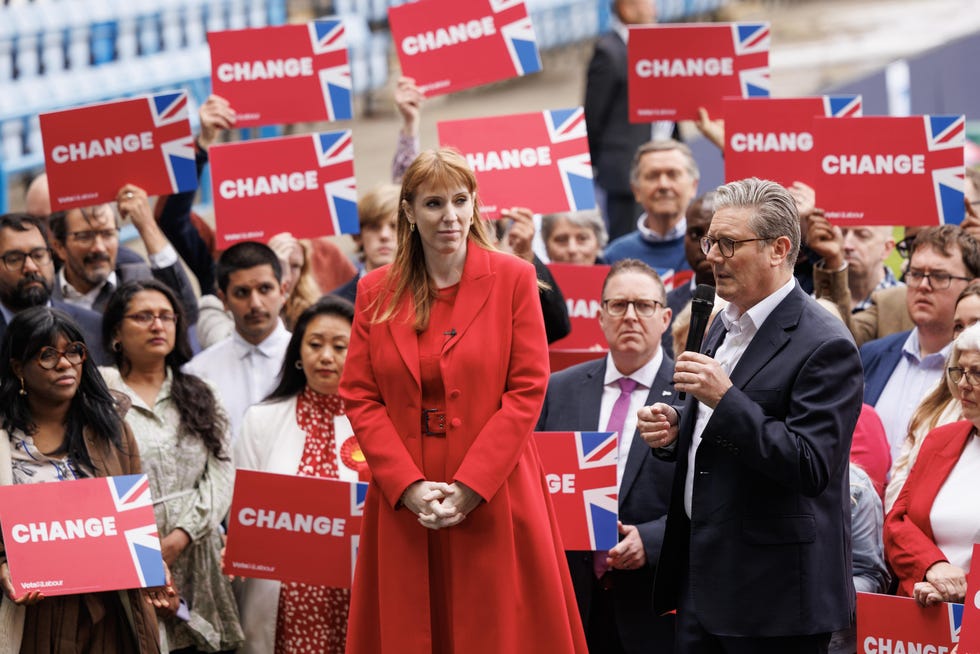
{"points": [[703, 300]]}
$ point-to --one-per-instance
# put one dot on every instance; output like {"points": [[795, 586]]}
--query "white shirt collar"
{"points": [[674, 233], [644, 376], [74, 296], [269, 348], [758, 313], [619, 27]]}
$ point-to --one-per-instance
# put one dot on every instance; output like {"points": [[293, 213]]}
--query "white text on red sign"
{"points": [[304, 522], [693, 67], [564, 483], [244, 71], [36, 532], [111, 145], [879, 164], [247, 187], [771, 142], [442, 37], [509, 159]]}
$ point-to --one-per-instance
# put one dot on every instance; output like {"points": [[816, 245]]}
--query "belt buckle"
{"points": [[433, 422]]}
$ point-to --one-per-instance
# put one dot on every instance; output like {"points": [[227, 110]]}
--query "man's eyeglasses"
{"points": [[14, 260], [48, 357], [644, 308], [956, 374], [937, 280], [146, 318], [725, 245], [87, 237]]}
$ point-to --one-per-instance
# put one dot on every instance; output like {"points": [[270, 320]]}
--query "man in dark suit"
{"points": [[612, 138], [87, 241], [615, 603], [27, 275], [900, 369], [757, 550]]}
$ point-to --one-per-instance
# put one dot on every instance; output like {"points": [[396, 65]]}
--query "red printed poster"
{"points": [[970, 631], [580, 470], [91, 152], [890, 171], [773, 139], [298, 184], [292, 528], [283, 74], [582, 288], [887, 624], [674, 69], [82, 536], [538, 160], [447, 45]]}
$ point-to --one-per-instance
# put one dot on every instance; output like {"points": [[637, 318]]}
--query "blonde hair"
{"points": [[442, 168], [304, 290]]}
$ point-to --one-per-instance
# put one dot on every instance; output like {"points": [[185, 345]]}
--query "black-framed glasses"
{"points": [[87, 237], [726, 245], [643, 308], [937, 280], [75, 352], [146, 318], [14, 259], [956, 374]]}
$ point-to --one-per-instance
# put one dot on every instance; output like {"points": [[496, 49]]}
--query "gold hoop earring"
{"points": [[411, 227], [23, 391]]}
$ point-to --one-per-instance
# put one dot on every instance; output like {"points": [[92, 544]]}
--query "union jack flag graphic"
{"points": [[328, 36], [955, 612], [749, 38], [522, 46], [178, 154], [568, 125], [129, 494], [333, 148], [580, 473], [842, 106], [947, 133]]}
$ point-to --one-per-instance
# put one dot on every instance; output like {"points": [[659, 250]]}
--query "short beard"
{"points": [[24, 297]]}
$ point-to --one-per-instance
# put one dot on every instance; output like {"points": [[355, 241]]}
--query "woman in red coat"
{"points": [[931, 529], [445, 377]]}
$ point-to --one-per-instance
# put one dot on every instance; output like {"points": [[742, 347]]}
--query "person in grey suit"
{"points": [[27, 275], [614, 589], [757, 551], [87, 241]]}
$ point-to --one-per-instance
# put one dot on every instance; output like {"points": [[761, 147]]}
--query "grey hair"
{"points": [[665, 145], [590, 219], [967, 341], [775, 210]]}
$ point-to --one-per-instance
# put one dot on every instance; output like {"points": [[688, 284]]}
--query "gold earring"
{"points": [[411, 227], [23, 391]]}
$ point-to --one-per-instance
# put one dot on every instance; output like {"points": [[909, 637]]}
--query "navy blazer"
{"points": [[572, 403], [879, 358], [768, 552]]}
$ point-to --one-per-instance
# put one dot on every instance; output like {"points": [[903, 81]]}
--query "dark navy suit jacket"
{"points": [[771, 502], [572, 403], [879, 358], [90, 324]]}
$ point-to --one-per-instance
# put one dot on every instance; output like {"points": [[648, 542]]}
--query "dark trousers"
{"points": [[692, 638], [602, 632]]}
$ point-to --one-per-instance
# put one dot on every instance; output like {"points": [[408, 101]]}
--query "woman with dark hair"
{"points": [[182, 433], [59, 422], [301, 429], [459, 548]]}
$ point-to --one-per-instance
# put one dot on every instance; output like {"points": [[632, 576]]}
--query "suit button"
{"points": [[454, 394], [455, 422]]}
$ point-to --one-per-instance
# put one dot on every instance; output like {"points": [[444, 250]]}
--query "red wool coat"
{"points": [[510, 587], [910, 546]]}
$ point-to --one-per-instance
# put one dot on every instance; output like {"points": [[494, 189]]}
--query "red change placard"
{"points": [[83, 536], [292, 528], [283, 74], [447, 45], [582, 288], [773, 138], [888, 624], [91, 152], [298, 184], [538, 160], [970, 631], [580, 470], [890, 171], [674, 69]]}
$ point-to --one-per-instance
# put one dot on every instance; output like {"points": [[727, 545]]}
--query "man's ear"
{"points": [[781, 247], [59, 249], [221, 296]]}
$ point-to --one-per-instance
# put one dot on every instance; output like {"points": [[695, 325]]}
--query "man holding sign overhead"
{"points": [[614, 588]]}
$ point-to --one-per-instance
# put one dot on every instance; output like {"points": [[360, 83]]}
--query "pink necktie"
{"points": [[616, 421]]}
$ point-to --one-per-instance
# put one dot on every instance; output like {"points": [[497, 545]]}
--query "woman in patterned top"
{"points": [[182, 433], [60, 422], [301, 429]]}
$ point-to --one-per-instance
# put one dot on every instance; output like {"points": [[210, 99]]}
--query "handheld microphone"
{"points": [[702, 304]]}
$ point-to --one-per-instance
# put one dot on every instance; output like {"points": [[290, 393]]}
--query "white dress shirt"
{"points": [[610, 393], [243, 373], [741, 330], [954, 517]]}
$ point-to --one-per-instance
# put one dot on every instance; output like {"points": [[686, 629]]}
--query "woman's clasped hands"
{"points": [[438, 504]]}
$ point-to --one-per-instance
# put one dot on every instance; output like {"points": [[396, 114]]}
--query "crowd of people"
{"points": [[820, 440]]}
